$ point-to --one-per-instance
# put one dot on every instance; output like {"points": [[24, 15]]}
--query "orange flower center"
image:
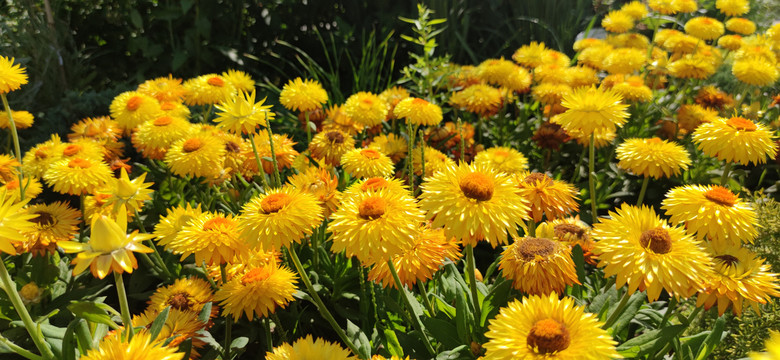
{"points": [[372, 208], [706, 21], [71, 150], [216, 223], [275, 202], [370, 154], [134, 103], [44, 219], [477, 186], [635, 83], [335, 137], [548, 336], [419, 102], [532, 247], [42, 153], [501, 153], [741, 124], [180, 301], [100, 199], [12, 185], [536, 177], [728, 260], [722, 196], [216, 81], [561, 230], [366, 103], [654, 140], [256, 274], [192, 145], [656, 240], [162, 121], [79, 163], [167, 106], [374, 183]]}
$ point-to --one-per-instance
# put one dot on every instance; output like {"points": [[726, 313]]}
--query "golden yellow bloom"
{"points": [[178, 327], [739, 277], [392, 145], [544, 327], [240, 114], [22, 119], [211, 237], [110, 247], [570, 230], [551, 73], [712, 212], [602, 137], [585, 43], [473, 202], [530, 55], [634, 89], [303, 95], [281, 216], [686, 6], [14, 222], [366, 108], [772, 347], [503, 159], [283, 149], [647, 254], [52, 223], [755, 71], [375, 184], [625, 60], [730, 42], [175, 109], [8, 168], [617, 21], [593, 56], [538, 266], [418, 111], [664, 7], [550, 93], [320, 183], [329, 146], [101, 128], [504, 73], [153, 138], [636, 9], [704, 28], [652, 157], [681, 43], [77, 176], [12, 77], [375, 226], [577, 76], [545, 196], [208, 89], [239, 79], [336, 119], [632, 40], [172, 223], [591, 109], [692, 66], [431, 248], [308, 348], [115, 347], [366, 163], [133, 108], [483, 100], [131, 193], [741, 26], [32, 188], [196, 155], [163, 89], [733, 7], [690, 116], [188, 294], [736, 140], [257, 292], [392, 97]]}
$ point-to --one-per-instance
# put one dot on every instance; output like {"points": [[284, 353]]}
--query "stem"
{"points": [[273, 156], [320, 305], [410, 145], [642, 191], [268, 338], [10, 288], [308, 128], [207, 114], [228, 319], [18, 349], [618, 311], [472, 276], [576, 176], [123, 306], [531, 228], [462, 141], [669, 310], [724, 177], [408, 303], [591, 180], [260, 170], [156, 254], [17, 149], [426, 300]]}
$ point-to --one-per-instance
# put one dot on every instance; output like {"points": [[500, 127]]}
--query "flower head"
{"points": [[179, 326], [14, 222], [483, 100], [772, 346], [173, 222], [187, 294], [303, 95], [52, 223], [320, 183], [308, 348], [704, 28], [115, 347], [257, 291], [240, 114], [733, 7], [618, 21], [239, 79], [278, 218], [133, 108], [741, 26], [545, 196], [418, 111], [153, 138], [755, 71], [196, 155], [163, 89], [591, 109], [366, 163], [530, 55], [504, 159], [22, 119], [330, 145], [735, 139], [538, 266], [131, 193], [366, 108], [12, 77], [211, 237], [208, 89], [391, 145], [652, 157], [636, 9], [77, 176]]}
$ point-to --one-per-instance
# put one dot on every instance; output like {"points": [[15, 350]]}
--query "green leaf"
{"points": [[239, 343], [69, 342], [179, 58], [649, 341], [462, 317], [186, 5], [444, 308], [135, 19], [359, 339], [443, 331], [94, 312], [495, 299], [158, 323], [713, 339], [634, 303], [392, 345], [205, 313]]}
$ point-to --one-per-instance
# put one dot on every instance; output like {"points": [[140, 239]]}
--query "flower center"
{"points": [[335, 137], [216, 81], [256, 274], [477, 186], [366, 103], [275, 202], [372, 208], [71, 150], [162, 121], [12, 185], [531, 247], [419, 102], [548, 336], [192, 145], [654, 140], [635, 83], [373, 184], [216, 223], [79, 163], [722, 196], [44, 219], [42, 153], [741, 124], [728, 260], [167, 106], [232, 147], [179, 301], [370, 154], [656, 240], [134, 103], [561, 230], [536, 177]]}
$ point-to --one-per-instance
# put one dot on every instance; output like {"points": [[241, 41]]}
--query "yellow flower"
{"points": [[153, 138], [77, 176], [585, 43], [208, 89], [551, 93], [32, 188], [172, 223], [336, 119], [479, 99], [730, 42], [278, 218], [22, 119], [14, 222], [503, 159], [530, 55], [625, 60], [366, 108], [741, 26], [686, 6], [591, 109], [188, 294], [664, 7], [240, 114], [545, 196], [8, 168], [430, 250], [12, 77], [239, 79], [175, 109], [634, 89], [733, 7], [391, 145], [571, 231], [110, 247], [435, 161], [712, 212], [538, 266], [163, 89], [97, 128], [593, 56], [178, 327], [133, 108], [505, 73], [652, 157], [257, 292], [755, 71], [320, 183], [618, 21], [680, 43], [283, 149], [392, 97], [308, 348], [114, 347], [550, 73], [375, 184], [544, 327], [211, 237], [473, 202], [196, 155], [735, 140], [691, 66], [366, 163], [601, 137], [704, 28], [418, 111], [739, 277], [130, 193], [636, 9], [330, 145], [647, 254], [53, 222], [375, 226], [772, 346], [578, 76], [303, 95]]}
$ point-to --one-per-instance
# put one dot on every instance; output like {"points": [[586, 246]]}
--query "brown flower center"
{"points": [[722, 196], [548, 336], [216, 81], [536, 177], [216, 223], [79, 163], [370, 154], [179, 301], [372, 208], [162, 121], [44, 219], [335, 137], [530, 247], [728, 260], [192, 145], [656, 240], [275, 202], [42, 153], [256, 274], [71, 150], [561, 230], [232, 147], [134, 103], [740, 123], [477, 186], [374, 183]]}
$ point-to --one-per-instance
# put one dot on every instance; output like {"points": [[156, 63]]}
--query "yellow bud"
{"points": [[31, 293]]}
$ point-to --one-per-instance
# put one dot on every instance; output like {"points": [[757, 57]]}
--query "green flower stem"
{"points": [[618, 310], [207, 114], [10, 288], [17, 149], [228, 319], [269, 341], [158, 260], [462, 141], [472, 276], [123, 306], [724, 177], [273, 156], [409, 161], [408, 303], [591, 178], [645, 181], [320, 305], [670, 308], [687, 322], [426, 300], [308, 128], [260, 170], [18, 349], [531, 228]]}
